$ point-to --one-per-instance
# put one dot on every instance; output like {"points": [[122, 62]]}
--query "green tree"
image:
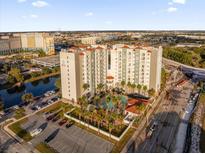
{"points": [[27, 98], [6, 68], [110, 128], [86, 86], [151, 92], [100, 87], [144, 89], [11, 79], [16, 73], [46, 70], [41, 53], [123, 84], [58, 83], [139, 87], [129, 85], [133, 87]]}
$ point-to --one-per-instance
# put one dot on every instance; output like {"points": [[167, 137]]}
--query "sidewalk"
{"points": [[142, 125]]}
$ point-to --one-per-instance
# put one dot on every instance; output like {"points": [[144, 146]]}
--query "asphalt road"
{"points": [[168, 118], [10, 145]]}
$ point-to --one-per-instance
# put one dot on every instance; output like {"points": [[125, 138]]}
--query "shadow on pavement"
{"points": [[164, 135], [43, 126], [52, 136], [5, 146]]}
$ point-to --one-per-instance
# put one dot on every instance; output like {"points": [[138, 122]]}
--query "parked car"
{"points": [[50, 117], [36, 132], [62, 122], [56, 118], [152, 129], [69, 124]]}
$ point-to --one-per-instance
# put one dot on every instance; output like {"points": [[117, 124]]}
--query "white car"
{"points": [[36, 132]]}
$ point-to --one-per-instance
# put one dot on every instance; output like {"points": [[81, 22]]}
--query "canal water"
{"points": [[12, 96]]}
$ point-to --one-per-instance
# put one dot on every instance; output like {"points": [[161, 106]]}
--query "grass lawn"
{"points": [[119, 145], [202, 140], [19, 113], [45, 148], [53, 107], [16, 128]]}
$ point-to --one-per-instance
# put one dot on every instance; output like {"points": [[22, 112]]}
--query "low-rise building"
{"points": [[51, 61]]}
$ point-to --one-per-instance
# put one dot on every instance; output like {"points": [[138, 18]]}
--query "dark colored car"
{"points": [[56, 118], [50, 118], [69, 124], [62, 122]]}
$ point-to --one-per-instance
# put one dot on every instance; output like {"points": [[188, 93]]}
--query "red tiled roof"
{"points": [[125, 46], [132, 101], [99, 47], [110, 77], [90, 49], [132, 109], [149, 51], [82, 54]]}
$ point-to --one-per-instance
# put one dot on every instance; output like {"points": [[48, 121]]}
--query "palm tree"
{"points": [[123, 84], [99, 120], [133, 87], [139, 87], [100, 87], [144, 89], [151, 92], [27, 98], [110, 127], [129, 85], [85, 86]]}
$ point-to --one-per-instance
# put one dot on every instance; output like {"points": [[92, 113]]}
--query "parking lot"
{"points": [[65, 140]]}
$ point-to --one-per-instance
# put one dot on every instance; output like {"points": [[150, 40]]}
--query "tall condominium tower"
{"points": [[108, 65]]}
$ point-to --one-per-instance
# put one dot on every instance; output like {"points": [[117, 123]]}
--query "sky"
{"points": [[66, 15]]}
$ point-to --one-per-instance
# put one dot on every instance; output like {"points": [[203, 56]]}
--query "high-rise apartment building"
{"points": [[109, 65], [32, 41]]}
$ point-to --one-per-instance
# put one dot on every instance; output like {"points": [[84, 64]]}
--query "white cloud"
{"points": [[21, 1], [39, 4], [179, 1], [89, 14], [34, 16], [172, 9]]}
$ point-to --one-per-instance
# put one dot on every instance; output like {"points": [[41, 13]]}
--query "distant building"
{"points": [[33, 41], [90, 40], [13, 43], [109, 65], [9, 45], [51, 61]]}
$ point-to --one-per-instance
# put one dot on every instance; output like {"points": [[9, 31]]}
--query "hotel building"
{"points": [[97, 64]]}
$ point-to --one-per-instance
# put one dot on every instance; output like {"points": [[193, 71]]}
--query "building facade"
{"points": [[33, 41], [9, 45], [109, 65]]}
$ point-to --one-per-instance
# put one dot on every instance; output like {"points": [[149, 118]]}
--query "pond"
{"points": [[12, 96]]}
